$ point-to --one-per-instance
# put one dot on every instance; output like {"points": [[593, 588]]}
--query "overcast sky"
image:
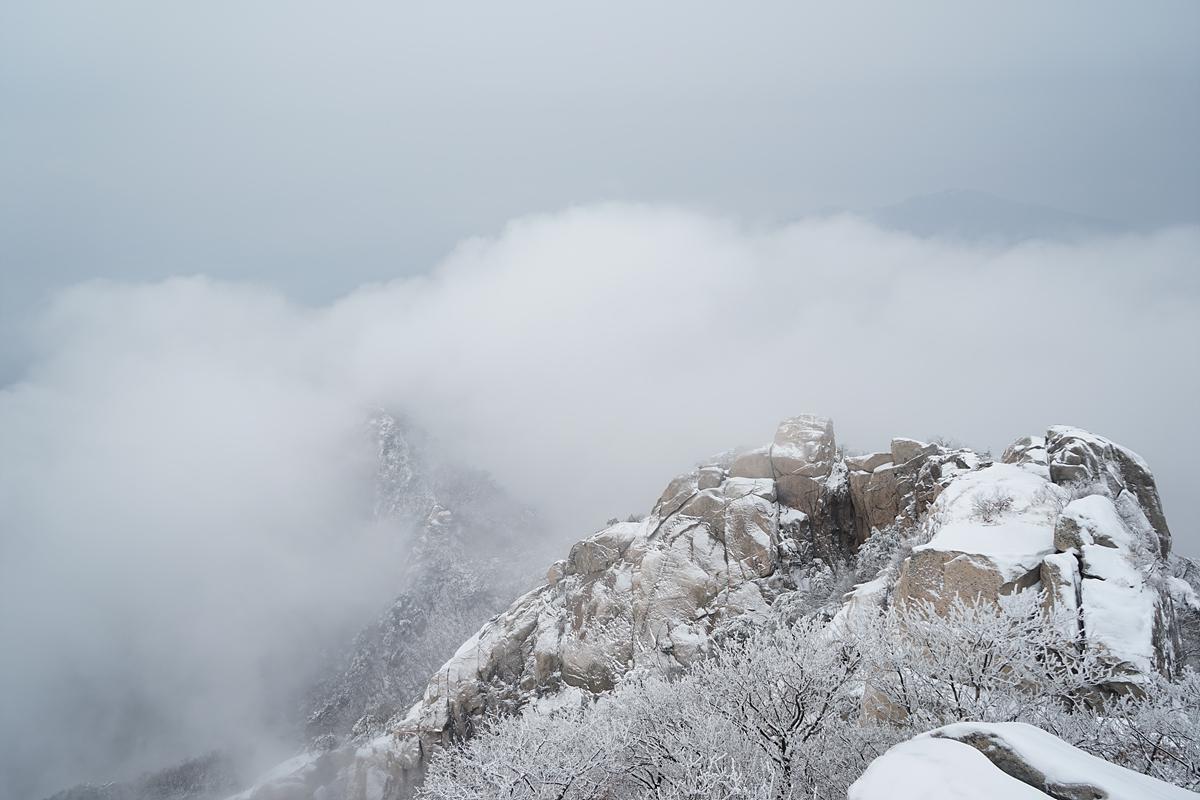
{"points": [[316, 146], [561, 237]]}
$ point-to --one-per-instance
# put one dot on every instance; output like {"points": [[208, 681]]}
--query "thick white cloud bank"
{"points": [[186, 486]]}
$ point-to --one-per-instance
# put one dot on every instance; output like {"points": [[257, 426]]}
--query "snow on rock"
{"points": [[1084, 459], [937, 769], [804, 445], [999, 761], [988, 532], [897, 487], [1089, 538], [1029, 452], [1117, 604]]}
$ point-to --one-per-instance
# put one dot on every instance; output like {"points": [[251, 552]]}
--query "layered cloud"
{"points": [[186, 483]]}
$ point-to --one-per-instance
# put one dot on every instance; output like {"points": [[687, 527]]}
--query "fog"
{"points": [[576, 244], [187, 483]]}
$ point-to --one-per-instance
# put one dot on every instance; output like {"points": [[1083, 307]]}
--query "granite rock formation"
{"points": [[784, 529]]}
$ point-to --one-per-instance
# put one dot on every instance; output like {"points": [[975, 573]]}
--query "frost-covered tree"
{"points": [[799, 711], [987, 662]]}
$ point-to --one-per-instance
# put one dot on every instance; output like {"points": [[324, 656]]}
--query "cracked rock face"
{"points": [[1074, 514], [718, 545], [897, 487], [1085, 459]]}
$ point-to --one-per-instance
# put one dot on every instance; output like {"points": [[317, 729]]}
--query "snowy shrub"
{"points": [[648, 739], [1155, 731], [983, 662], [989, 506]]}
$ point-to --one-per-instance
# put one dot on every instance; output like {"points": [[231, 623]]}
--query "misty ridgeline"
{"points": [[782, 624], [467, 549]]}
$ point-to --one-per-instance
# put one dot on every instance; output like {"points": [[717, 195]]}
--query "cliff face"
{"points": [[784, 528], [1073, 514]]}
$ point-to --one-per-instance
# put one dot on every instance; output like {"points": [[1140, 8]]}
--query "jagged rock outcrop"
{"points": [[462, 566], [720, 544], [896, 487], [1074, 514], [775, 529], [716, 546]]}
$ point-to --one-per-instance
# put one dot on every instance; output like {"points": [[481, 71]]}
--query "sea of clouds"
{"points": [[186, 493]]}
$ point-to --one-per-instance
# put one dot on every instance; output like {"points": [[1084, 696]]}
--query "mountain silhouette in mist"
{"points": [[975, 216]]}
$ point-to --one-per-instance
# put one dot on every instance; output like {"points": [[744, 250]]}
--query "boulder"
{"points": [[556, 572], [600, 550], [678, 492], [804, 445], [754, 463], [869, 462], [710, 477], [940, 576], [1025, 451], [999, 761], [905, 450]]}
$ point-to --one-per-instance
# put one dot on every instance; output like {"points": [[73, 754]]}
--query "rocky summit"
{"points": [[799, 528]]}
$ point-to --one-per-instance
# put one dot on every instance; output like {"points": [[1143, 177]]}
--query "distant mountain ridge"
{"points": [[975, 216]]}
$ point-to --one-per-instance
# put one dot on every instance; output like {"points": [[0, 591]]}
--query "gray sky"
{"points": [[570, 221], [316, 146]]}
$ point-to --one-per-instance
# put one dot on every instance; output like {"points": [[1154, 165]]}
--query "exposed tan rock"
{"points": [[597, 552], [801, 493], [556, 572], [678, 492], [940, 576], [1026, 450], [869, 462], [879, 498], [901, 492], [905, 450], [710, 477], [804, 445], [754, 463]]}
